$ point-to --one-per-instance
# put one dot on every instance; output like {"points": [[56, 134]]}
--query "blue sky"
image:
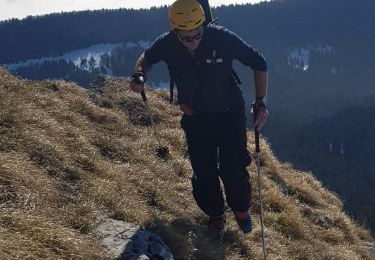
{"points": [[23, 8]]}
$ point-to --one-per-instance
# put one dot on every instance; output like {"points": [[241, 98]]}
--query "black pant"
{"points": [[217, 147]]}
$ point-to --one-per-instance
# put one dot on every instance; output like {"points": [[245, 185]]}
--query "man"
{"points": [[199, 59]]}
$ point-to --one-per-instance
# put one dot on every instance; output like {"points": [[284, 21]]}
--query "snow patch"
{"points": [[144, 44], [86, 59], [326, 49], [299, 58]]}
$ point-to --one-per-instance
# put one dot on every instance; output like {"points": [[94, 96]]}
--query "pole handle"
{"points": [[255, 113], [139, 78]]}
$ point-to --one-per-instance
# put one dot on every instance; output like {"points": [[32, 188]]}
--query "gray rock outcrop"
{"points": [[127, 241]]}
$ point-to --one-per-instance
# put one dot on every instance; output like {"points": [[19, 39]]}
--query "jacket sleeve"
{"points": [[158, 49], [245, 53]]}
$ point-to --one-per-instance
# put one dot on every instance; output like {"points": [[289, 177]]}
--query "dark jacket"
{"points": [[206, 82]]}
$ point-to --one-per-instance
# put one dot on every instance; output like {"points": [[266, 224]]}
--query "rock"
{"points": [[370, 246], [128, 241], [323, 221]]}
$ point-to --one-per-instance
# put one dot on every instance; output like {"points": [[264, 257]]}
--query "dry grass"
{"points": [[69, 155]]}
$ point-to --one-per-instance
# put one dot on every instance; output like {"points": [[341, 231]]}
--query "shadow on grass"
{"points": [[189, 239]]}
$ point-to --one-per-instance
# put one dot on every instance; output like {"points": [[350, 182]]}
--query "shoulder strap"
{"points": [[207, 10], [236, 78]]}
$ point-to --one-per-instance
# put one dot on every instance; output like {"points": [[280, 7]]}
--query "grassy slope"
{"points": [[69, 155]]}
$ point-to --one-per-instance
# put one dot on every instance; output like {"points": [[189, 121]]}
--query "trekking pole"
{"points": [[257, 149], [161, 151]]}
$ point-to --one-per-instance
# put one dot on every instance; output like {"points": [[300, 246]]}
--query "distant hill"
{"points": [[340, 149], [277, 28], [69, 155], [274, 27]]}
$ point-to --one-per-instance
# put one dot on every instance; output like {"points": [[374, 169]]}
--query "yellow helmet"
{"points": [[186, 15]]}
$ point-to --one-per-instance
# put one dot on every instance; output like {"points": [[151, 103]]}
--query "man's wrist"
{"points": [[260, 102], [261, 99]]}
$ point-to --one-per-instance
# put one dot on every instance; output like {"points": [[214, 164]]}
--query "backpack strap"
{"points": [[236, 77], [207, 10]]}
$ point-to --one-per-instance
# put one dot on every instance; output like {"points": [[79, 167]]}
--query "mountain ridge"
{"points": [[68, 154]]}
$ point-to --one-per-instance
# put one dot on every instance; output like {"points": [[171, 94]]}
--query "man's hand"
{"points": [[136, 86], [261, 115], [137, 82], [259, 106]]}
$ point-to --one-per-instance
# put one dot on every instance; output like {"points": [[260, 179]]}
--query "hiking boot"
{"points": [[217, 223], [243, 219], [216, 227]]}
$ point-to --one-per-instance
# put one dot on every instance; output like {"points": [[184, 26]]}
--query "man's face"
{"points": [[190, 39]]}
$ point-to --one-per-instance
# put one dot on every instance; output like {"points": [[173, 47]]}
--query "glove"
{"points": [[139, 77], [261, 114], [137, 81]]}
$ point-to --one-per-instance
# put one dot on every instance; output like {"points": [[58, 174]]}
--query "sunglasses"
{"points": [[195, 37]]}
